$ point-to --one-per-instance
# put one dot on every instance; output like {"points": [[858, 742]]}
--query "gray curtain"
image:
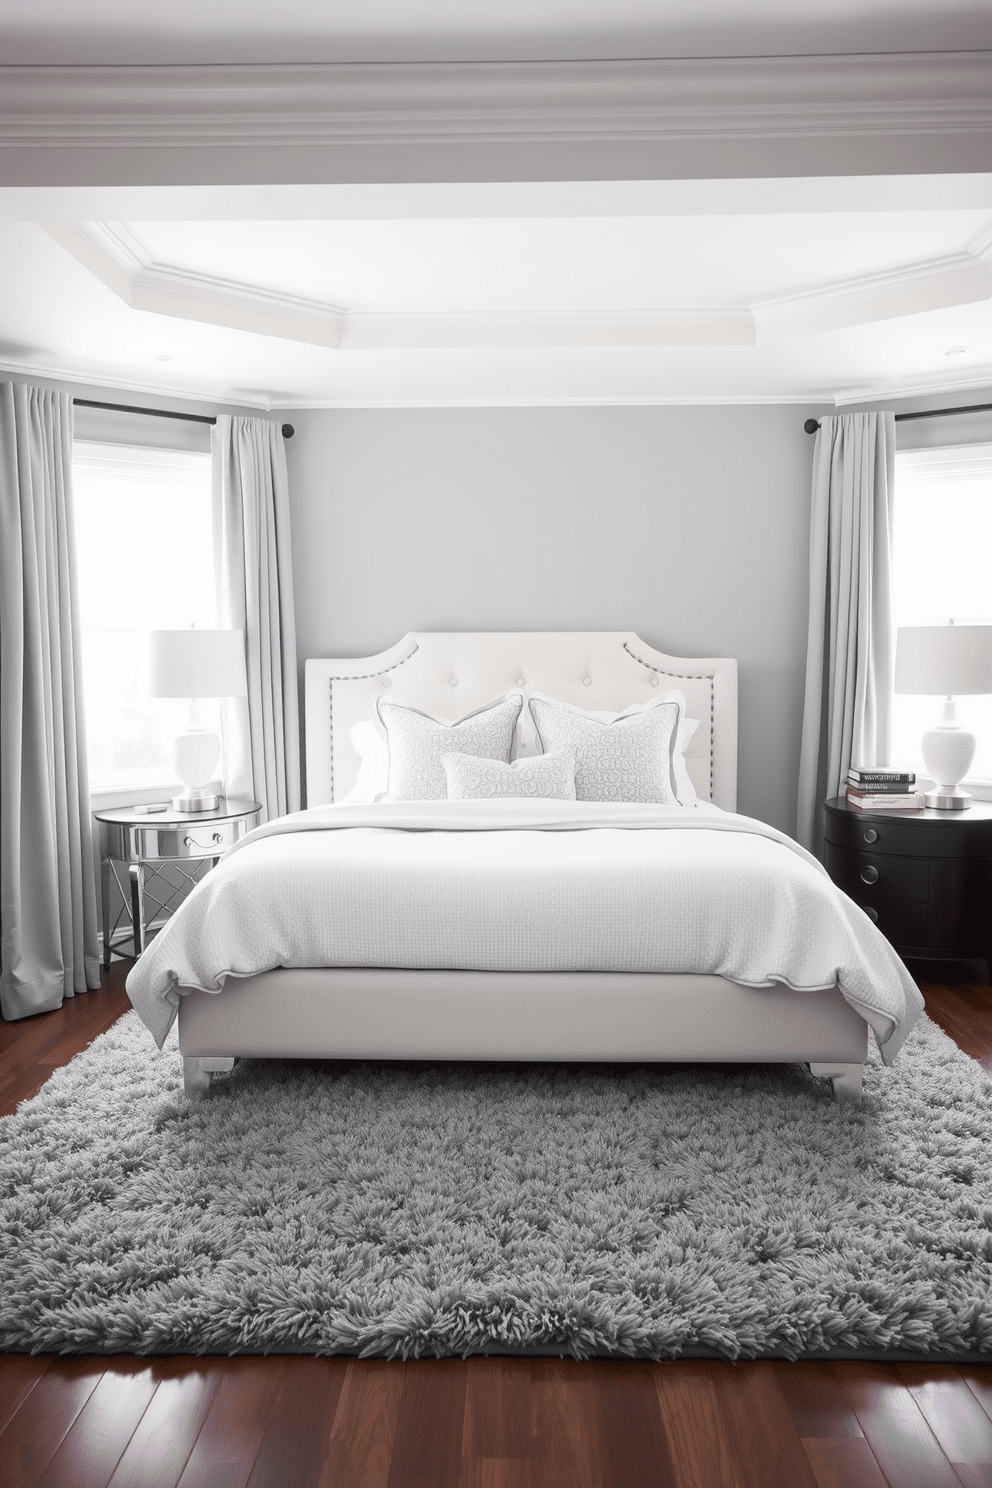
{"points": [[255, 579], [48, 915], [849, 657]]}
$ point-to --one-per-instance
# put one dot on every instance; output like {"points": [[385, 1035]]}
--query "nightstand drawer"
{"points": [[132, 843], [871, 878]]}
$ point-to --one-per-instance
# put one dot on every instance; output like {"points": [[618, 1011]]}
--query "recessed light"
{"points": [[955, 351]]}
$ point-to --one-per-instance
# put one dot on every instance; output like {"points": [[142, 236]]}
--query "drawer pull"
{"points": [[870, 834], [869, 874], [871, 913]]}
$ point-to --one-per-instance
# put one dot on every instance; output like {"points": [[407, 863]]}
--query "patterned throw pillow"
{"points": [[417, 742], [548, 776], [628, 759]]}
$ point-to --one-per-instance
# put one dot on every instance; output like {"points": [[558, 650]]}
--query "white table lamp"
{"points": [[949, 661], [197, 664]]}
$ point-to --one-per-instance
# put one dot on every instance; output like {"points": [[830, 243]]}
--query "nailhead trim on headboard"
{"points": [[358, 677], [684, 677]]}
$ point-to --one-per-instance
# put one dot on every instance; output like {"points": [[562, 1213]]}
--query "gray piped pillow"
{"points": [[628, 759], [417, 741], [548, 776]]}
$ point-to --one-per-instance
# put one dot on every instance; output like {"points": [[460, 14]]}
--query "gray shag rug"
{"points": [[408, 1210]]}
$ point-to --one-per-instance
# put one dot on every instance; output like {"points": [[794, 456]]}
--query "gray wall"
{"points": [[687, 525]]}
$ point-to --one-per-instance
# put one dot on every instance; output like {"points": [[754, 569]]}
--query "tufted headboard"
{"points": [[448, 673]]}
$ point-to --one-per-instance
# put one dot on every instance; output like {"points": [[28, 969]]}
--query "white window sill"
{"points": [[981, 790], [106, 798]]}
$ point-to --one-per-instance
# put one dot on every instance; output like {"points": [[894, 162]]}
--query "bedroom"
{"points": [[388, 432]]}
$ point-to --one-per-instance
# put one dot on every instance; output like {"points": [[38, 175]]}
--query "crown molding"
{"points": [[977, 379], [115, 254], [523, 102], [930, 284], [110, 381]]}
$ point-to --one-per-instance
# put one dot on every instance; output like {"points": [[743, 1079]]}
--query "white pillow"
{"points": [[373, 766], [549, 776], [685, 791], [417, 742], [628, 756]]}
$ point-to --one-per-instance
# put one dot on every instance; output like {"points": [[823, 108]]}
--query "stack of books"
{"points": [[883, 790]]}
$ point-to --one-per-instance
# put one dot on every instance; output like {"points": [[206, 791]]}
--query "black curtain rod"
{"points": [[191, 418], [811, 425]]}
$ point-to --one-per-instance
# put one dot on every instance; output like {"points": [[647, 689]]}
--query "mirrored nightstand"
{"points": [[137, 842]]}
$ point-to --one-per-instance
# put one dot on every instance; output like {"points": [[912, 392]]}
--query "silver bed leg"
{"points": [[197, 1069], [846, 1080]]}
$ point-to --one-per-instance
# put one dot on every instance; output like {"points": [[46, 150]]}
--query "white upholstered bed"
{"points": [[513, 1011]]}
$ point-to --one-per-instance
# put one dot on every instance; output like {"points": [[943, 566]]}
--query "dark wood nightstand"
{"points": [[924, 877]]}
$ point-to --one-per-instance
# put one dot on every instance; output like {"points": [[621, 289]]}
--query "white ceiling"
{"points": [[200, 31], [834, 289], [595, 293]]}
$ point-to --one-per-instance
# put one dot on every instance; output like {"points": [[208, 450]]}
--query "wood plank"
{"points": [[973, 1475], [767, 1450], [35, 1433], [225, 1449], [953, 1414], [499, 1409], [298, 1428], [632, 1442], [95, 1443], [498, 1472], [160, 1447], [19, 1373], [699, 1445], [360, 1451], [815, 1400], [427, 1448], [843, 1462], [978, 1379], [567, 1424], [906, 1449]]}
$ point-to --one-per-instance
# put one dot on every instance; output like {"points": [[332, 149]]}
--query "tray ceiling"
{"points": [[603, 295]]}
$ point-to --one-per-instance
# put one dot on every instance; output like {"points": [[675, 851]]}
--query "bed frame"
{"points": [[395, 1014]]}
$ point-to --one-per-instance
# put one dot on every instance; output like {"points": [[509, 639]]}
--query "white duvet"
{"points": [[526, 885]]}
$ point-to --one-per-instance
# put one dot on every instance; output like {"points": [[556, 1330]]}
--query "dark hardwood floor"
{"points": [[86, 1422]]}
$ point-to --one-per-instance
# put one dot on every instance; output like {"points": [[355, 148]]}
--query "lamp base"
{"points": [[194, 799], [947, 798]]}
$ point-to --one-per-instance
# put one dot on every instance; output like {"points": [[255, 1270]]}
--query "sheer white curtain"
{"points": [[849, 656], [48, 915], [255, 579]]}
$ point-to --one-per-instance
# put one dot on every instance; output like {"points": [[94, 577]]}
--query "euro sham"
{"points": [[628, 758], [417, 741]]}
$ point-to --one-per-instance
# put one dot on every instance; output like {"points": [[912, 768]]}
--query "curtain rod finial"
{"points": [[288, 431], [811, 425]]}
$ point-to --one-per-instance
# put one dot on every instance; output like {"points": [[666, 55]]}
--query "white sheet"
{"points": [[526, 885]]}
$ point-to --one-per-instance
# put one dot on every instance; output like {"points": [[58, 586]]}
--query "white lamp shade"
{"points": [[197, 664], [944, 660]]}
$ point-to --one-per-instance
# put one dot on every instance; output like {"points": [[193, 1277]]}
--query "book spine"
{"points": [[912, 801], [881, 790], [884, 781]]}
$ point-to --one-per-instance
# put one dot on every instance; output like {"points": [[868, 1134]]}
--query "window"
{"points": [[942, 570], [144, 545]]}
